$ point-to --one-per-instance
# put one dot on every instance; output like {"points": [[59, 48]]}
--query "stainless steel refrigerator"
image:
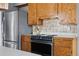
{"points": [[10, 29], [1, 28]]}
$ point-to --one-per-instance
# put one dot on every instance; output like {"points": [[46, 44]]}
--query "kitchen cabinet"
{"points": [[46, 10], [67, 13], [26, 43], [3, 6], [62, 51], [63, 46], [38, 12], [32, 14]]}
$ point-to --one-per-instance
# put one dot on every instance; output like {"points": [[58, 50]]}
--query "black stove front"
{"points": [[40, 48], [41, 45]]}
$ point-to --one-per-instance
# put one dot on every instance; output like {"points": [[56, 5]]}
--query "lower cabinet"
{"points": [[64, 46], [25, 43], [62, 51]]}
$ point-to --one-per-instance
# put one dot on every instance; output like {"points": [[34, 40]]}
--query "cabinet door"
{"points": [[62, 51], [26, 46], [25, 43], [67, 12], [63, 46], [46, 10], [3, 6], [32, 14]]}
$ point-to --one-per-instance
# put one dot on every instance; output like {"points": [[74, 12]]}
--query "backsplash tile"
{"points": [[53, 26]]}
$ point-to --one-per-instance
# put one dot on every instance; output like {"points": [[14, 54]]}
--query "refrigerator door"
{"points": [[1, 28], [11, 19], [10, 44]]}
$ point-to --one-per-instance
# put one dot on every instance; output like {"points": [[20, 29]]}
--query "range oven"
{"points": [[40, 48], [41, 45]]}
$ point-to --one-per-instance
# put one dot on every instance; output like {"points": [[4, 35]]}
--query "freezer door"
{"points": [[10, 44]]}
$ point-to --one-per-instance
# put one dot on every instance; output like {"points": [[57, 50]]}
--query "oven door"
{"points": [[40, 48]]}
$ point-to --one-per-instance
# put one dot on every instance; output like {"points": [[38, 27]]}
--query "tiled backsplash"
{"points": [[53, 26]]}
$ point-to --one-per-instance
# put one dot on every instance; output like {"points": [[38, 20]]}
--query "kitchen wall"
{"points": [[23, 26], [51, 26]]}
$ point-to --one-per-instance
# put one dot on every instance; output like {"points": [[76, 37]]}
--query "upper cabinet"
{"points": [[40, 11], [3, 6], [67, 13], [46, 10], [32, 20]]}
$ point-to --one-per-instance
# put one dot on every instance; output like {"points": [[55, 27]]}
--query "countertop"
{"points": [[68, 35], [5, 51]]}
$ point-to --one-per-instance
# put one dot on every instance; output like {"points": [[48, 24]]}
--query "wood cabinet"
{"points": [[32, 14], [63, 46], [25, 43], [46, 10], [62, 51], [37, 12], [67, 12], [3, 6]]}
